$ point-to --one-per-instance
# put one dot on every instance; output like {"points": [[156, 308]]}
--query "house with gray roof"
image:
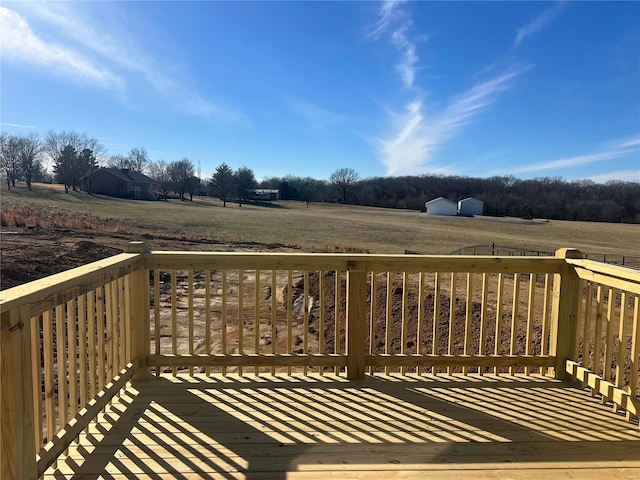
{"points": [[122, 183]]}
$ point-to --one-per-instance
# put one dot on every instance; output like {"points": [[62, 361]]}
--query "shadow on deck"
{"points": [[324, 426]]}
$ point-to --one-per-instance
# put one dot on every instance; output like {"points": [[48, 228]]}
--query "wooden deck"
{"points": [[308, 427]]}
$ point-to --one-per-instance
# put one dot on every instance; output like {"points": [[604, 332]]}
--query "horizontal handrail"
{"points": [[343, 262], [47, 293]]}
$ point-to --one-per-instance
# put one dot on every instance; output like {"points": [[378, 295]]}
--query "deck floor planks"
{"points": [[311, 427]]}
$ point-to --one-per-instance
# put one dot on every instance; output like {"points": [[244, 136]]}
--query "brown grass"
{"points": [[321, 227]]}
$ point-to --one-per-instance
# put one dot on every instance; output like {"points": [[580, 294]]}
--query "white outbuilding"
{"points": [[470, 206], [441, 206]]}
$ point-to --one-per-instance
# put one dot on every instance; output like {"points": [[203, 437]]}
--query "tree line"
{"points": [[545, 197], [69, 157]]}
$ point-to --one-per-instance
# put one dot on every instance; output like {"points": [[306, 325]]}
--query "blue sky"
{"points": [[528, 89]]}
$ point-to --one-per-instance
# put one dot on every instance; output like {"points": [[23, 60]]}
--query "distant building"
{"points": [[266, 194], [441, 206], [122, 183], [470, 206]]}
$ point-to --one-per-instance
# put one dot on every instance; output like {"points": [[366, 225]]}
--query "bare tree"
{"points": [[29, 150], [138, 159], [56, 146], [180, 172], [118, 161], [344, 181], [10, 158], [159, 171]]}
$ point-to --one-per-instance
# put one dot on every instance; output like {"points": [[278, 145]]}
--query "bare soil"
{"points": [[31, 253], [28, 254]]}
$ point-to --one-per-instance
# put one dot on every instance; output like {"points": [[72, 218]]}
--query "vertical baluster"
{"points": [[224, 318], [73, 352], [100, 308], [499, 309], [61, 348], [404, 320], [156, 316], [126, 300], [274, 316], [597, 333], [91, 350], [122, 322], [112, 337], [579, 310], [530, 318], [546, 319], [389, 312], [207, 315], [36, 379], [482, 347], [586, 327], [305, 317], [514, 318], [372, 315], [622, 343], [110, 340], [174, 317], [82, 349], [190, 317], [256, 315], [321, 324], [115, 328], [240, 316], [452, 318], [49, 374], [420, 332], [436, 319], [468, 320], [634, 365], [289, 315], [337, 303], [608, 346]]}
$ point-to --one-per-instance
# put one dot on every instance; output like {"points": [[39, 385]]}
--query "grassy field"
{"points": [[326, 226]]}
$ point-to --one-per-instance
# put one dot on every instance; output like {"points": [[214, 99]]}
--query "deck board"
{"points": [[305, 427]]}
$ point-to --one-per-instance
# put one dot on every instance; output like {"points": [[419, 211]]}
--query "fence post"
{"points": [[17, 433], [356, 319], [139, 301], [564, 311]]}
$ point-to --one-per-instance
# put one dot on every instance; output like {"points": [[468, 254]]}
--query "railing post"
{"points": [[564, 311], [139, 301], [356, 319], [17, 440]]}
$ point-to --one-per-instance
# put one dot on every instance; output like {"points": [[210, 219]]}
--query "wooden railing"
{"points": [[606, 349], [66, 351], [72, 341]]}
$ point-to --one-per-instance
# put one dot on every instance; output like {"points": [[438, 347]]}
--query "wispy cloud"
{"points": [[318, 118], [406, 66], [618, 149], [622, 175], [117, 49], [16, 125], [538, 23], [387, 14], [416, 137], [395, 23], [19, 42]]}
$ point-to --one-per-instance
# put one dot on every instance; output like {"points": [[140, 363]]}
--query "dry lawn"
{"points": [[321, 227]]}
